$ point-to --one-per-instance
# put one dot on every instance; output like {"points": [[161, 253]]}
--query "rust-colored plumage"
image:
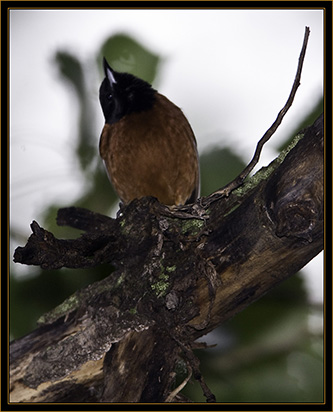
{"points": [[147, 144]]}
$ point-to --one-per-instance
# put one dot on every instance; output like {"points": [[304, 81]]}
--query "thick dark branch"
{"points": [[84, 219], [274, 232], [48, 252], [177, 279]]}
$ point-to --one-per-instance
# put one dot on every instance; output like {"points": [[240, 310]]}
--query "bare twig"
{"points": [[194, 367], [226, 190], [175, 392]]}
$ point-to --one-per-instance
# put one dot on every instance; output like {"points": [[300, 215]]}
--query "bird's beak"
{"points": [[108, 72]]}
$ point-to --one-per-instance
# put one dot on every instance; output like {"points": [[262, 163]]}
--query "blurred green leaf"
{"points": [[124, 54], [71, 70], [218, 166]]}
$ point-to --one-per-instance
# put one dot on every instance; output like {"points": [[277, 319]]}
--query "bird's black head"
{"points": [[123, 93]]}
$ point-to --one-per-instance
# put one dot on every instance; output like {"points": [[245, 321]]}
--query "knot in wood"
{"points": [[296, 218]]}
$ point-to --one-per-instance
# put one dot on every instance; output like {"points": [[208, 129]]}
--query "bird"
{"points": [[147, 144]]}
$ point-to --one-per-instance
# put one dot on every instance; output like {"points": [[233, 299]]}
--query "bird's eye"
{"points": [[109, 96]]}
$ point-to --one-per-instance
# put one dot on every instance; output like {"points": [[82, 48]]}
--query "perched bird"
{"points": [[147, 144]]}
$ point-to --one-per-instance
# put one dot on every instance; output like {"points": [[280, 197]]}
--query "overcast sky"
{"points": [[230, 71]]}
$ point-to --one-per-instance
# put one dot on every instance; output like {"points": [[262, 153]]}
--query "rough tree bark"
{"points": [[179, 273]]}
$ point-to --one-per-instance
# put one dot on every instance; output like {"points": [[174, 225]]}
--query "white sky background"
{"points": [[230, 71]]}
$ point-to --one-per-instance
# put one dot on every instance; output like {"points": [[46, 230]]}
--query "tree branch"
{"points": [[180, 273]]}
